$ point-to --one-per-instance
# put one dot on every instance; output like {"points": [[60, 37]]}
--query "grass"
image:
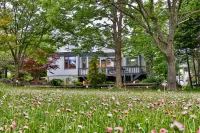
{"points": [[93, 110]]}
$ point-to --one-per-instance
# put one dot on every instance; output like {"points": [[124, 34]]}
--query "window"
{"points": [[70, 62], [132, 62], [110, 62], [84, 62]]}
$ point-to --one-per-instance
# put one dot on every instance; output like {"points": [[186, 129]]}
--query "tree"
{"points": [[26, 31], [94, 76], [5, 63], [151, 15], [187, 40], [39, 63], [88, 25]]}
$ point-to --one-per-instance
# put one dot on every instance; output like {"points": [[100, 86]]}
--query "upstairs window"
{"points": [[70, 62]]}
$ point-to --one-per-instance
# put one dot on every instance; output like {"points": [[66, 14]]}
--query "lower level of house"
{"points": [[74, 67]]}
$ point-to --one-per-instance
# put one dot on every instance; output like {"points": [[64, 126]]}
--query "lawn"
{"points": [[94, 110]]}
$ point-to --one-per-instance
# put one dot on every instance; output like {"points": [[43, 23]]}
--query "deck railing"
{"points": [[111, 71]]}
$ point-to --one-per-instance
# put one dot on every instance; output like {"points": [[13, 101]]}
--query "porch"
{"points": [[129, 73]]}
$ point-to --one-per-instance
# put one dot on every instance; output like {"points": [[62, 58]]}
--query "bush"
{"points": [[77, 83], [109, 82], [94, 76], [152, 80], [56, 82], [189, 88]]}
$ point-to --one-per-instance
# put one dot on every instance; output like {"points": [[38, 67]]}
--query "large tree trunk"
{"points": [[118, 66], [171, 74], [17, 70], [117, 37]]}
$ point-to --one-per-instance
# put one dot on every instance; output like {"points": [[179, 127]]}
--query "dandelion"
{"points": [[80, 126], [113, 98], [109, 115]]}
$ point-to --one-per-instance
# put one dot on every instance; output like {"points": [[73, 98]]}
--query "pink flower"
{"points": [[20, 131], [162, 130], [109, 129], [184, 112], [153, 131], [198, 131], [130, 105], [151, 106], [119, 128], [174, 116], [166, 112], [14, 124], [26, 127], [178, 125], [158, 103]]}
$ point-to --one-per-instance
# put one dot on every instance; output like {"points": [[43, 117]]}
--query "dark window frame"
{"points": [[68, 64]]}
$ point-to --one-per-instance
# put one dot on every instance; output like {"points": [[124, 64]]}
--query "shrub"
{"points": [[109, 82], [56, 82], [152, 80], [77, 83], [189, 88], [94, 76]]}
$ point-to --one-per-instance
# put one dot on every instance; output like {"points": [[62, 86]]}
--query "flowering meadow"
{"points": [[24, 110]]}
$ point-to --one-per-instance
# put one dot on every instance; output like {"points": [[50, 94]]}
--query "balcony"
{"points": [[111, 71]]}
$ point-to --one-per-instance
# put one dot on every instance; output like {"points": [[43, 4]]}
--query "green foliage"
{"points": [[109, 82], [94, 76], [56, 82], [152, 80], [189, 88], [78, 83], [54, 111], [2, 86], [28, 77]]}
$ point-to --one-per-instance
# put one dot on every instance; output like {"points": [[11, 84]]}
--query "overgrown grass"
{"points": [[92, 110]]}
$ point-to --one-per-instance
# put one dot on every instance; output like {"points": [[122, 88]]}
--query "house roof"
{"points": [[86, 54]]}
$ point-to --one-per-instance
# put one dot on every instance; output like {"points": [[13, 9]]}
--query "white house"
{"points": [[75, 66]]}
